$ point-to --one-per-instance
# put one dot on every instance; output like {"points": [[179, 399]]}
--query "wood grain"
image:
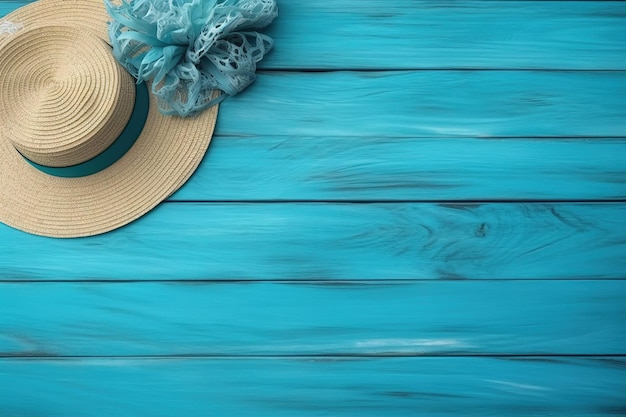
{"points": [[296, 168], [460, 34], [313, 318], [523, 387], [414, 34], [430, 104], [337, 241]]}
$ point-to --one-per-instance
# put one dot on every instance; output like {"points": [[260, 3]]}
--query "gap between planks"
{"points": [[321, 356]]}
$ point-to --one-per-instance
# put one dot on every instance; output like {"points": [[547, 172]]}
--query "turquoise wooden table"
{"points": [[418, 209]]}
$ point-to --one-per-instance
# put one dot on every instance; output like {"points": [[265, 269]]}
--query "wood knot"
{"points": [[481, 231]]}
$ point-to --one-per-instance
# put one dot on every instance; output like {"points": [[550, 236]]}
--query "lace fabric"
{"points": [[9, 28], [188, 49]]}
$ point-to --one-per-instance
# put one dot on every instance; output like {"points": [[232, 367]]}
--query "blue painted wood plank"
{"points": [[464, 34], [429, 104], [337, 241], [313, 318], [523, 387], [382, 168], [414, 34]]}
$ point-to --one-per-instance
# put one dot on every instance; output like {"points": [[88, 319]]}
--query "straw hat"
{"points": [[83, 148]]}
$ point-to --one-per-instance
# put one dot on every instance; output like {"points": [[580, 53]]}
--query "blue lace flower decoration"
{"points": [[188, 49]]}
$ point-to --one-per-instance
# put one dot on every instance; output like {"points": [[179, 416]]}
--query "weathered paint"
{"points": [[390, 104], [363, 168], [306, 386], [401, 122], [417, 34], [337, 241], [313, 318]]}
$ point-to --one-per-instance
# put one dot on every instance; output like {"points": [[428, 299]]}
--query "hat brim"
{"points": [[165, 155]]}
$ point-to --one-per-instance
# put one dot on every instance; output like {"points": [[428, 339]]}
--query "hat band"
{"points": [[116, 150]]}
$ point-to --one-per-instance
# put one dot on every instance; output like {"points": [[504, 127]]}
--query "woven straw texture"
{"points": [[79, 101]]}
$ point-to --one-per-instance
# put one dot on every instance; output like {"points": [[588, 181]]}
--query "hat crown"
{"points": [[63, 97]]}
